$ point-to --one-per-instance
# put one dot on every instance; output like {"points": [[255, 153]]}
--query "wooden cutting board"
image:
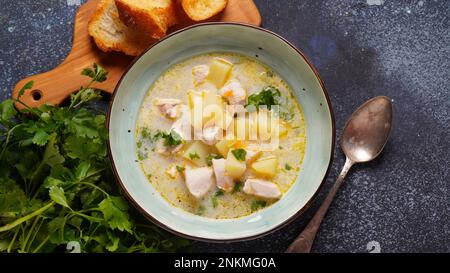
{"points": [[56, 85]]}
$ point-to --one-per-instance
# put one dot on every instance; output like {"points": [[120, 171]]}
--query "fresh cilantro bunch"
{"points": [[56, 184]]}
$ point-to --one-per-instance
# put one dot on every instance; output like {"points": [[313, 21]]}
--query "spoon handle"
{"points": [[303, 243]]}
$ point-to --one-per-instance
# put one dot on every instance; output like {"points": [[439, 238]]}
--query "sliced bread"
{"points": [[199, 10], [111, 34], [151, 16]]}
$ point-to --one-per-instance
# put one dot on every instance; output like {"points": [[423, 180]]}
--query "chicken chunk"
{"points": [[234, 93], [182, 126], [200, 72], [199, 181], [223, 181], [262, 188], [211, 133], [169, 107]]}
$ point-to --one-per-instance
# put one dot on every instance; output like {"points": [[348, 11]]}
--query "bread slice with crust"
{"points": [[151, 16], [111, 34], [199, 10]]}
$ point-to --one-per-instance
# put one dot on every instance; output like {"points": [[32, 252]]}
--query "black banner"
{"points": [[162, 263]]}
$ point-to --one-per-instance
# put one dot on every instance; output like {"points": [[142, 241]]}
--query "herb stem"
{"points": [[26, 218], [41, 244], [25, 242], [32, 110], [35, 233], [8, 137], [90, 218], [13, 240], [34, 175], [96, 187]]}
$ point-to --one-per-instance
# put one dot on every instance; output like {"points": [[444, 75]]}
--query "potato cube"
{"points": [[195, 100], [266, 166], [219, 72], [234, 167], [197, 153], [213, 107]]}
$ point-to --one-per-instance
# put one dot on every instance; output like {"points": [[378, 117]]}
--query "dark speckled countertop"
{"points": [[361, 48]]}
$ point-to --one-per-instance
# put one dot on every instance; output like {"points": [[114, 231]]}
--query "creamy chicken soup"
{"points": [[204, 144]]}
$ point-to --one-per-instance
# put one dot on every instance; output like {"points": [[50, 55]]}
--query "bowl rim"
{"points": [[251, 237]]}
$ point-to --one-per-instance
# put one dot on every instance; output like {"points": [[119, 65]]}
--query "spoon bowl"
{"points": [[366, 132]]}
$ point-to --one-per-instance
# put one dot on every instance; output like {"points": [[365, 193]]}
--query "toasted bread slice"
{"points": [[111, 34], [151, 16], [199, 10]]}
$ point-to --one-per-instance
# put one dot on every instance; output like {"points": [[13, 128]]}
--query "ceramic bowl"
{"points": [[252, 41]]}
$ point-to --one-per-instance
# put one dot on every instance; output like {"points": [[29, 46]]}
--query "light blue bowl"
{"points": [[272, 50]]}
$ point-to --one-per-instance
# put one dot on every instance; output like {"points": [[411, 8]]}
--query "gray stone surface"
{"points": [[400, 48]]}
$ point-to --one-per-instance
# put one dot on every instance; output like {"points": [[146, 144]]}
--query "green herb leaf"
{"points": [[113, 244], [52, 156], [41, 137], [7, 112], [258, 204], [194, 155], [145, 133], [12, 198], [238, 186], [180, 169], [201, 210], [239, 154], [287, 167], [170, 139], [214, 197], [214, 201], [57, 195], [98, 73], [27, 86], [269, 96], [114, 210], [287, 114]]}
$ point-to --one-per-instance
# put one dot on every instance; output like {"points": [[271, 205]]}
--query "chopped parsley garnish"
{"points": [[214, 197], [180, 169], [287, 167], [267, 97], [140, 156], [193, 156], [201, 210], [145, 133], [170, 139], [238, 186], [287, 116], [239, 154], [258, 204]]}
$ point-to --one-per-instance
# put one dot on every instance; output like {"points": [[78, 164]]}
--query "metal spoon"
{"points": [[364, 137]]}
